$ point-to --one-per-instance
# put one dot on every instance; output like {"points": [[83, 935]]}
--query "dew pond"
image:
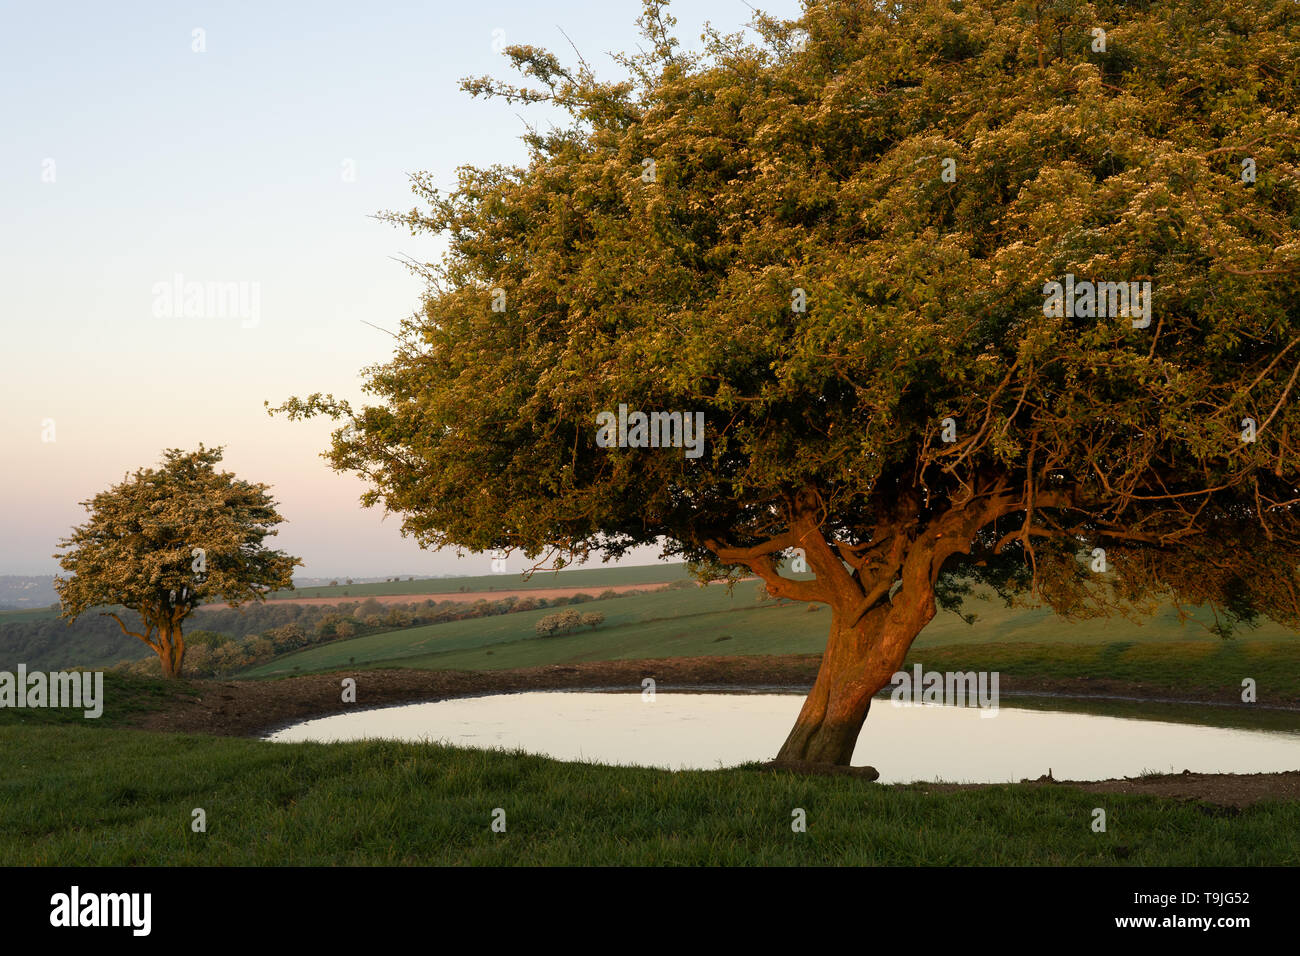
{"points": [[706, 730]]}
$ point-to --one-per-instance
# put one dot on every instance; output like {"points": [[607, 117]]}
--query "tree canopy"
{"points": [[838, 242]]}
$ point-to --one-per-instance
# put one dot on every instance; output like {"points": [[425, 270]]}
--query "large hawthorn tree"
{"points": [[167, 539], [837, 242]]}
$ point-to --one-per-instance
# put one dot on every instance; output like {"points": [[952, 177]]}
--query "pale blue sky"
{"points": [[227, 166]]}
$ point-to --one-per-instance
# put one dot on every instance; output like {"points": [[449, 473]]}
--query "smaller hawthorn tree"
{"points": [[593, 619], [165, 540]]}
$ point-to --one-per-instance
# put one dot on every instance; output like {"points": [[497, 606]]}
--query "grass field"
{"points": [[125, 696], [74, 795], [714, 622], [77, 792], [631, 623], [39, 614], [96, 793], [589, 577]]}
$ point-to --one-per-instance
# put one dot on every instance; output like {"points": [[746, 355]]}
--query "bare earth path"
{"points": [[255, 708]]}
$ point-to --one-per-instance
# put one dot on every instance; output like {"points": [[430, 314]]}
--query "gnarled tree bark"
{"points": [[881, 595], [860, 660]]}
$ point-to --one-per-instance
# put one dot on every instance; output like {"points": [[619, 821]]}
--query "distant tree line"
{"points": [[49, 643]]}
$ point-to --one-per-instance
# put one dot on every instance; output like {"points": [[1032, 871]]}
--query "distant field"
{"points": [[706, 622], [592, 579], [40, 614], [634, 619], [596, 577], [462, 597]]}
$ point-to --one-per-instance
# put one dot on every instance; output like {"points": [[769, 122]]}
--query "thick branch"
{"points": [[142, 637], [825, 562], [759, 560]]}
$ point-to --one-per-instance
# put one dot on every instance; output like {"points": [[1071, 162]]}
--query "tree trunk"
{"points": [[165, 656], [171, 651], [178, 651], [832, 715], [859, 660]]}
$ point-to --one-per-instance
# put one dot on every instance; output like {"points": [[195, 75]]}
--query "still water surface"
{"points": [[710, 730]]}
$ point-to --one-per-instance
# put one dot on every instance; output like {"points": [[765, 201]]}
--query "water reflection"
{"points": [[710, 730]]}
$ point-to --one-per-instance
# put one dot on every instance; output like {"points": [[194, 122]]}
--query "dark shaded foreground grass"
{"points": [[126, 698], [76, 795]]}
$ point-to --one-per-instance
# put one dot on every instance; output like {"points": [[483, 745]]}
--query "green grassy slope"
{"points": [[79, 796], [709, 622], [635, 620]]}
